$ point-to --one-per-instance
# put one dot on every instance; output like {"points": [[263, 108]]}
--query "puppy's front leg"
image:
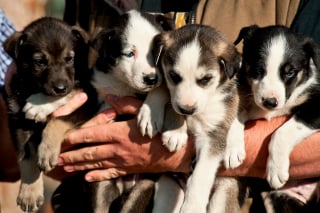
{"points": [[235, 151], [39, 106], [52, 138], [201, 181], [282, 143], [175, 134], [152, 111], [30, 196]]}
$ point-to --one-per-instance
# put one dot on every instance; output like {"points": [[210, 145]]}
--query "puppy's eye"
{"points": [[175, 78], [40, 62], [129, 54], [205, 80], [291, 73], [69, 59]]}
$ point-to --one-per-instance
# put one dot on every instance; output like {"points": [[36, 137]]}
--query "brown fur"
{"points": [[51, 65]]}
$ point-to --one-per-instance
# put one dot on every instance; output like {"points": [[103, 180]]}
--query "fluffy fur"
{"points": [[199, 67], [50, 57], [123, 65], [279, 76]]}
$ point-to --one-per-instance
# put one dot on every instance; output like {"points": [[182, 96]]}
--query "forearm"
{"points": [[304, 158]]}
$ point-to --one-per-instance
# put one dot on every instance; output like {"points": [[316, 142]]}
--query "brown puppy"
{"points": [[51, 60]]}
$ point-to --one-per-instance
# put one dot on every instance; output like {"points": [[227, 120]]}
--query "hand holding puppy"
{"points": [[119, 148]]}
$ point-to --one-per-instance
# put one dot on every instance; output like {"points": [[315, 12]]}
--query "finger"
{"points": [[96, 134], [86, 154], [74, 103], [89, 166], [104, 174], [103, 117], [124, 105]]}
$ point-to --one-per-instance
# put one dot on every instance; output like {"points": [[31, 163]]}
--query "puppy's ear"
{"points": [[160, 43], [245, 33], [157, 48], [312, 49], [107, 47], [11, 45], [80, 34], [165, 22], [230, 61], [103, 38]]}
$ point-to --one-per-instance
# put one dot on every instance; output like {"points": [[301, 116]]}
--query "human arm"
{"points": [[304, 159], [257, 134]]}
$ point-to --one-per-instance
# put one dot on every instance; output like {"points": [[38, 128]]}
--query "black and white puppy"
{"points": [[51, 61], [123, 65], [280, 76], [199, 66]]}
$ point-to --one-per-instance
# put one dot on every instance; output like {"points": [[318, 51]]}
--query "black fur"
{"points": [[300, 50]]}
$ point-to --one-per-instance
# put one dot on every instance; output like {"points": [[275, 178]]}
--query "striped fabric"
{"points": [[6, 29]]}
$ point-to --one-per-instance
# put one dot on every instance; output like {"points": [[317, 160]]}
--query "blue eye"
{"points": [[130, 54], [291, 73]]}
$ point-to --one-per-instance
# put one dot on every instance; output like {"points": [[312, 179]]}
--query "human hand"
{"points": [[115, 149]]}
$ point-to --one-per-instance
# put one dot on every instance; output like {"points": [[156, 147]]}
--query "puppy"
{"points": [[123, 65], [51, 58], [199, 66], [279, 76]]}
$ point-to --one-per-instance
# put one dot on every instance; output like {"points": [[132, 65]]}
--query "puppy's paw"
{"points": [[150, 121], [30, 197], [174, 140], [39, 113], [234, 156], [48, 154], [277, 172]]}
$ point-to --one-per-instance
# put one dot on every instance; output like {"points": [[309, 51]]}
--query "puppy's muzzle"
{"points": [[151, 79], [187, 110], [270, 103], [60, 89]]}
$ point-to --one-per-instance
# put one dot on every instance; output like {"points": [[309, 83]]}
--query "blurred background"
{"points": [[22, 12]]}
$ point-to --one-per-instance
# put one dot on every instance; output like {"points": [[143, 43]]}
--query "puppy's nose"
{"points": [[150, 79], [60, 89], [270, 103], [187, 110]]}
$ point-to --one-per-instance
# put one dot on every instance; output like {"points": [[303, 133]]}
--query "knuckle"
{"points": [[88, 154]]}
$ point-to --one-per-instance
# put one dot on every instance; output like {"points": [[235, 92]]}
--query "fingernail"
{"points": [[60, 162], [68, 168], [89, 178], [82, 96]]}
